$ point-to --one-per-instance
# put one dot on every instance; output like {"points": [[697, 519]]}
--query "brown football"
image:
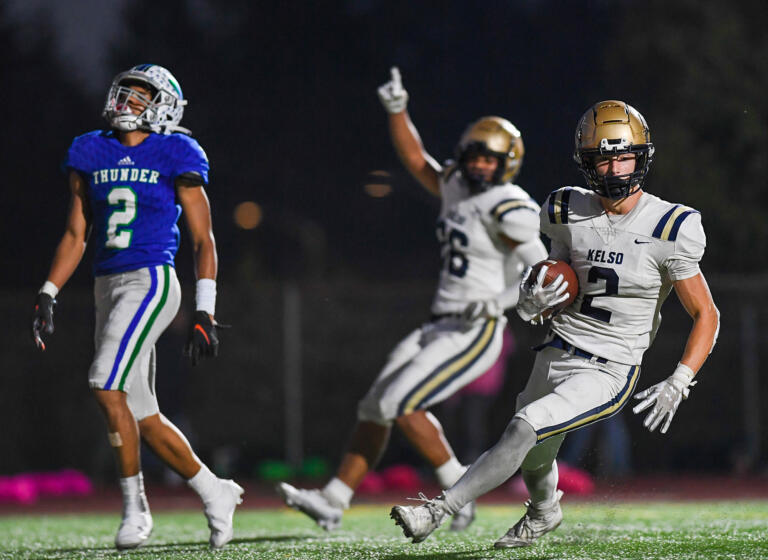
{"points": [[555, 268]]}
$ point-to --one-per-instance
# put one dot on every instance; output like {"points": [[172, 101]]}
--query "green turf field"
{"points": [[589, 531]]}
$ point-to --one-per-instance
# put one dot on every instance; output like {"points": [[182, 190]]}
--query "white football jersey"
{"points": [[625, 264], [474, 257]]}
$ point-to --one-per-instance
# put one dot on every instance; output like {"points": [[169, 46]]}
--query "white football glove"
{"points": [[482, 309], [665, 398], [392, 95], [536, 298]]}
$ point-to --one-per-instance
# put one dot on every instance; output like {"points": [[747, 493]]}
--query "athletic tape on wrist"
{"points": [[114, 439], [205, 296], [49, 288]]}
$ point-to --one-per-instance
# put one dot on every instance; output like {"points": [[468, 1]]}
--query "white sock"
{"points": [[493, 467], [205, 483], [133, 492], [449, 472], [338, 493], [542, 484]]}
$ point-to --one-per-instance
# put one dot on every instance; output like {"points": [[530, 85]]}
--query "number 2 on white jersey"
{"points": [[611, 289], [125, 199]]}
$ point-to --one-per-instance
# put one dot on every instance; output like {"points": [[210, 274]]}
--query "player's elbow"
{"points": [[716, 326], [707, 318], [73, 240]]}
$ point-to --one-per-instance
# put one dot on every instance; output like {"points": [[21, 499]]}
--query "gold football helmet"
{"points": [[613, 128], [496, 137]]}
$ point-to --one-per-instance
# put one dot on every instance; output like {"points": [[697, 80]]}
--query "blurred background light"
{"points": [[248, 215], [378, 184]]}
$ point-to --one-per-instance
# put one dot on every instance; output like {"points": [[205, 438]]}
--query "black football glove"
{"points": [[203, 340], [42, 319]]}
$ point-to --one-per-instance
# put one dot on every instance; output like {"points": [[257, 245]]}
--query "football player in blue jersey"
{"points": [[129, 185]]}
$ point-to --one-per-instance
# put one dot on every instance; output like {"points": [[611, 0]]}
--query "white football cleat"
{"points": [[535, 523], [313, 503], [418, 522], [135, 527], [464, 517], [219, 512]]}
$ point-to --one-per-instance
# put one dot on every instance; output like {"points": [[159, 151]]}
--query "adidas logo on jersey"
{"points": [[126, 161]]}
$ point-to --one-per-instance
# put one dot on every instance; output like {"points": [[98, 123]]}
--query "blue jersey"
{"points": [[132, 195]]}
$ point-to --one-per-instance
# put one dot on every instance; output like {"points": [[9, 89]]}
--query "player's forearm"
{"points": [[206, 258], [68, 255], [406, 140], [702, 337], [410, 150]]}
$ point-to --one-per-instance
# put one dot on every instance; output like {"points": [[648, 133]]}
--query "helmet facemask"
{"points": [[477, 182], [613, 128], [118, 108], [621, 186]]}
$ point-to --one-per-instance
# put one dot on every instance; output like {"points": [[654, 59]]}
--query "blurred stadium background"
{"points": [[327, 253]]}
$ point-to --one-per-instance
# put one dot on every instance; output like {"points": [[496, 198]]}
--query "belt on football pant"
{"points": [[561, 344], [437, 316]]}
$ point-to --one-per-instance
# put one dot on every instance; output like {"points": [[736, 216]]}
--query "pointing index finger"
{"points": [[397, 84]]}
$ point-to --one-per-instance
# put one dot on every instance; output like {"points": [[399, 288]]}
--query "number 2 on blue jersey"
{"points": [[124, 199]]}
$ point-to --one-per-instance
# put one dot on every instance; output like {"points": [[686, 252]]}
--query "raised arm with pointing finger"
{"points": [[405, 137]]}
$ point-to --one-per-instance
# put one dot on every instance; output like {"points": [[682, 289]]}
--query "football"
{"points": [[555, 268]]}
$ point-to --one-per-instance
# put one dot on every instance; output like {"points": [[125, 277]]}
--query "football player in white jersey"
{"points": [[488, 229], [628, 249]]}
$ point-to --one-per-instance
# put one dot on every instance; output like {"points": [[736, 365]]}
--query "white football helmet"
{"points": [[163, 112]]}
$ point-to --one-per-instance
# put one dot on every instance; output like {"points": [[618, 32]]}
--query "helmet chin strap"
{"points": [[477, 183], [617, 187]]}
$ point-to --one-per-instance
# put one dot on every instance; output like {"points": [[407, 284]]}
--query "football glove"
{"points": [[535, 298], [42, 319], [665, 398], [203, 340], [392, 95], [481, 309]]}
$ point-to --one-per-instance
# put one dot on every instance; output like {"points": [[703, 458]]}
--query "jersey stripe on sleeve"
{"points": [[510, 204], [670, 223], [558, 206]]}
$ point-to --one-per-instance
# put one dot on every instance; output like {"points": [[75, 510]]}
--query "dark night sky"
{"points": [[283, 98]]}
